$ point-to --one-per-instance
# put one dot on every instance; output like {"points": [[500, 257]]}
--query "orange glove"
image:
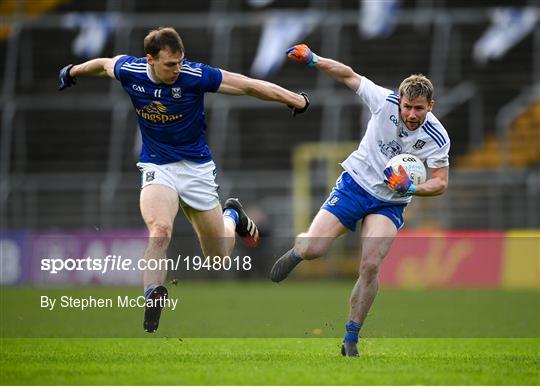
{"points": [[400, 183], [302, 54]]}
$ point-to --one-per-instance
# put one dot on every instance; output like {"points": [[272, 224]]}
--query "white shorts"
{"points": [[195, 183]]}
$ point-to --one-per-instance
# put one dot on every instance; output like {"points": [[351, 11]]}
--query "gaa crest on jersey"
{"points": [[419, 144], [390, 149], [176, 92], [150, 175]]}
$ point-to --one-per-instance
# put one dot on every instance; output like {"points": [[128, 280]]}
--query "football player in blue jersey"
{"points": [[366, 191], [167, 91]]}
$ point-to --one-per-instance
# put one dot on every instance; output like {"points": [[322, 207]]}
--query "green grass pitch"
{"points": [[256, 333], [269, 362]]}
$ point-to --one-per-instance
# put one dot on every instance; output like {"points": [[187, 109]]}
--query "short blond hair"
{"points": [[416, 86]]}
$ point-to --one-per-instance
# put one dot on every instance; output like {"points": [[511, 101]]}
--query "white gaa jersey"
{"points": [[387, 136]]}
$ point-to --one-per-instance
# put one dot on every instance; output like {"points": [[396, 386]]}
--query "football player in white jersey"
{"points": [[366, 191], [167, 92]]}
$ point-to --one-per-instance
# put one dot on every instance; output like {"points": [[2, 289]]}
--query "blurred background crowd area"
{"points": [[68, 159]]}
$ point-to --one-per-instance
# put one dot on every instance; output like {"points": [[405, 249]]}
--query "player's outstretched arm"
{"points": [[238, 84], [342, 73], [100, 67]]}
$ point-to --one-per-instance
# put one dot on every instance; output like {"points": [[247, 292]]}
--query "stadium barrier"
{"points": [[450, 259], [23, 254]]}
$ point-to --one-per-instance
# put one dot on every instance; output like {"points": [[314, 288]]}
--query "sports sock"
{"points": [[232, 214], [353, 329], [148, 290], [295, 257]]}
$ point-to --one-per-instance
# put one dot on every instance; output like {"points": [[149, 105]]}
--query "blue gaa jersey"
{"points": [[170, 117]]}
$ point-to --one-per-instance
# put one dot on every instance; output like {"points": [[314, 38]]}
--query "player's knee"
{"points": [[309, 247], [160, 230], [369, 269]]}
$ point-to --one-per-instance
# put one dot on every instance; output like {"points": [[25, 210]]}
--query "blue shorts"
{"points": [[349, 203]]}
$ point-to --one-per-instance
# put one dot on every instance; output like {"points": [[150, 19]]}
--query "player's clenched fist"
{"points": [[302, 54], [65, 79]]}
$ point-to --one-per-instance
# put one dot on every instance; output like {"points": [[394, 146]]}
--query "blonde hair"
{"points": [[415, 86]]}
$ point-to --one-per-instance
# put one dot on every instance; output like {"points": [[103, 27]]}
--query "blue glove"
{"points": [[65, 79], [401, 183]]}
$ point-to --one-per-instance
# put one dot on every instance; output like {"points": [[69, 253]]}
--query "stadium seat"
{"points": [[522, 147]]}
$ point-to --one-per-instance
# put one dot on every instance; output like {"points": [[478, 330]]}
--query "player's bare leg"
{"points": [[216, 234], [324, 229], [217, 230], [159, 206], [377, 235]]}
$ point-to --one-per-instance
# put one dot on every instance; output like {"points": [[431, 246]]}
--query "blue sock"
{"points": [[295, 257], [232, 214], [148, 290], [353, 329]]}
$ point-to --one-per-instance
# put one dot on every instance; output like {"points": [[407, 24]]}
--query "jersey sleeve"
{"points": [[372, 95], [119, 72], [211, 78], [439, 158]]}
